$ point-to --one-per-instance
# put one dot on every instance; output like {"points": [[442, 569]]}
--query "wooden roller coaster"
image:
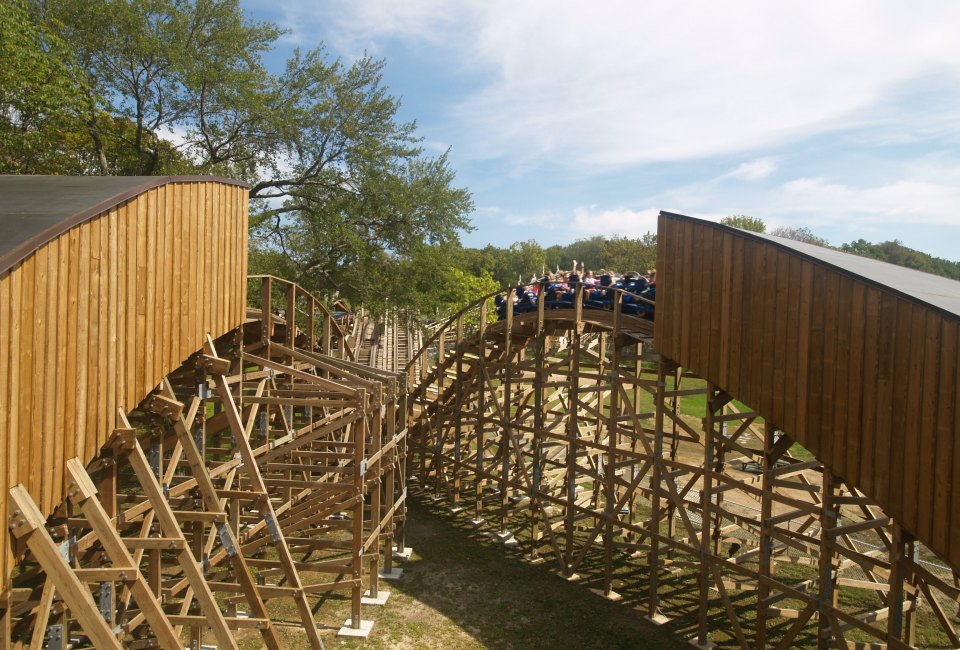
{"points": [[190, 455], [175, 462], [769, 466]]}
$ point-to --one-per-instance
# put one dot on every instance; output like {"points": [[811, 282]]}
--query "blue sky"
{"points": [[567, 119]]}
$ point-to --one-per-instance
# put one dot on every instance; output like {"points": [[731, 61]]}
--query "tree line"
{"points": [[892, 251]]}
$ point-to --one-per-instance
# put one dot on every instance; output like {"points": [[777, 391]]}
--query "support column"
{"points": [[656, 499], [765, 559], [706, 515], [573, 436], [827, 598]]}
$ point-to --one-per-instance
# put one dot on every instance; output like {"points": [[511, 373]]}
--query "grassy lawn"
{"points": [[463, 590]]}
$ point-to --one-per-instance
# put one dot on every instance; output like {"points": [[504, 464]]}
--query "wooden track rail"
{"points": [[566, 434]]}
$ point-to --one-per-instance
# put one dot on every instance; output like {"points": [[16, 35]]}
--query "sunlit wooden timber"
{"points": [[176, 459]]}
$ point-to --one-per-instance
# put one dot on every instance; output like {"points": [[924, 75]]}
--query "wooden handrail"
{"points": [[336, 329], [452, 320]]}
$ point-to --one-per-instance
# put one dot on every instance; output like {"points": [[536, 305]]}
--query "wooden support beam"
{"points": [[28, 525], [171, 529], [251, 469], [82, 492]]}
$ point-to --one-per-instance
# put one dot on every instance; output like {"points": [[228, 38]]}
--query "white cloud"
{"points": [[590, 221], [918, 193], [599, 88], [585, 222], [625, 82], [352, 27], [756, 170], [899, 203]]}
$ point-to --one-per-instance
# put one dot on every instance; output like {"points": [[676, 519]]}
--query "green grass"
{"points": [[461, 589]]}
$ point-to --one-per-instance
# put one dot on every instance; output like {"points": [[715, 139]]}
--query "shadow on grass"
{"points": [[500, 600]]}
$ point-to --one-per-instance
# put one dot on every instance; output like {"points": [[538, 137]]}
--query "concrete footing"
{"points": [[361, 632], [392, 575], [404, 554], [381, 598]]}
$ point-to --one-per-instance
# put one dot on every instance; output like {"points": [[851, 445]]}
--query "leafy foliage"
{"points": [[522, 260], [742, 221], [40, 89], [801, 234], [895, 252], [340, 189]]}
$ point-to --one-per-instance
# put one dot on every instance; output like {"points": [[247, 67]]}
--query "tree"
{"points": [[40, 89], [589, 251], [520, 262], [434, 280], [340, 188], [624, 254], [894, 252], [169, 65], [742, 221], [801, 234]]}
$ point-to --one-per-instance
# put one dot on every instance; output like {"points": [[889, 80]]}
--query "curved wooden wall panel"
{"points": [[91, 321], [861, 375]]}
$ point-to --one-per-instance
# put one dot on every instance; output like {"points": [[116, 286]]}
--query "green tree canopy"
{"points": [[894, 252], [340, 187], [41, 90], [801, 234], [742, 221], [624, 254]]}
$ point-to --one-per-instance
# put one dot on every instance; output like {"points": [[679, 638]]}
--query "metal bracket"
{"points": [[67, 547], [198, 440], [272, 526], [106, 600], [226, 539], [55, 637], [363, 467], [155, 459], [263, 423]]}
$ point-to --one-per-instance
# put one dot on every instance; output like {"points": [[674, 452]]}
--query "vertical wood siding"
{"points": [[94, 319], [862, 377]]}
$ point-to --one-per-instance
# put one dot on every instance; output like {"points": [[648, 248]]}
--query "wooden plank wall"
{"points": [[862, 377], [94, 319]]}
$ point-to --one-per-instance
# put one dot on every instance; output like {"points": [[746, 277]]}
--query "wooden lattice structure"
{"points": [[176, 461], [723, 471]]}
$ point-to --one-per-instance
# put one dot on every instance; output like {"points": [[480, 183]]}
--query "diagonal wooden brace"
{"points": [[82, 492], [171, 529], [27, 523]]}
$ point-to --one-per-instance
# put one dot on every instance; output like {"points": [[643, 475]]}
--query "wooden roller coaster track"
{"points": [[177, 464], [187, 452], [689, 467]]}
